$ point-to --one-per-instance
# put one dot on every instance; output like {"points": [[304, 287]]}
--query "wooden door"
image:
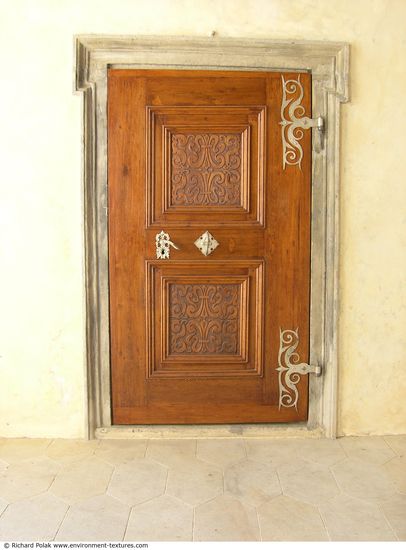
{"points": [[196, 338]]}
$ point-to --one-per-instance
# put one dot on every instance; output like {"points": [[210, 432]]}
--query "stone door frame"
{"points": [[329, 64]]}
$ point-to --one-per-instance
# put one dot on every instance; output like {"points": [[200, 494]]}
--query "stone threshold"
{"points": [[209, 431]]}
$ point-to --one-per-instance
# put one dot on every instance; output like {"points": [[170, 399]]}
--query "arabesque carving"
{"points": [[206, 169], [204, 319]]}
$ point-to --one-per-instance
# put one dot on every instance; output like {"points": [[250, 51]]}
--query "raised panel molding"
{"points": [[328, 63], [206, 163], [205, 329]]}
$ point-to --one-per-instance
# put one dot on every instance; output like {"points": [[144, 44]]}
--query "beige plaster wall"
{"points": [[41, 333]]}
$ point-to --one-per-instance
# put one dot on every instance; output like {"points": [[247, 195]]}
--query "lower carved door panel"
{"points": [[209, 245]]}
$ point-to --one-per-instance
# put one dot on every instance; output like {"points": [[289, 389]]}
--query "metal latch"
{"points": [[163, 244]]}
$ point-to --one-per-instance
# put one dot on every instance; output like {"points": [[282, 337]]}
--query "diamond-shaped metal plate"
{"points": [[206, 243]]}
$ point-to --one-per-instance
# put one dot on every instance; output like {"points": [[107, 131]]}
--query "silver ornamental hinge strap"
{"points": [[290, 369], [294, 122]]}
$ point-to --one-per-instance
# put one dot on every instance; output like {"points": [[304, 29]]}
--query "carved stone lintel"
{"points": [[290, 369]]}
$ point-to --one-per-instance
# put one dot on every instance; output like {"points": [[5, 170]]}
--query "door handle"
{"points": [[163, 244]]}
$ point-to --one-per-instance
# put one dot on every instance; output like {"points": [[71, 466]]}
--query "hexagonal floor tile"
{"points": [[287, 519], [37, 518], [221, 452], [137, 481], [3, 505], [14, 450], [80, 480], [374, 450], [323, 451], [348, 518], [118, 451], [363, 480], [397, 443], [275, 452], [98, 518], [171, 452], [194, 481], [161, 519], [27, 478], [308, 482], [71, 450], [396, 470], [395, 512], [226, 519], [251, 481]]}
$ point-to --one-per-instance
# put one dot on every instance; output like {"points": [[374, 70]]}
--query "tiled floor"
{"points": [[225, 489]]}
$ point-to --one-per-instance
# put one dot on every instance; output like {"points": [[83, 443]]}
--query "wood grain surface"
{"points": [[195, 339]]}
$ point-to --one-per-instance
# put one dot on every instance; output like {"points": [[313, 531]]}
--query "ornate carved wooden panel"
{"points": [[206, 169], [205, 163], [204, 319]]}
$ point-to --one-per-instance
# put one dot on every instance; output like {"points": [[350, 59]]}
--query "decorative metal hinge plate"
{"points": [[290, 369], [206, 243], [294, 122]]}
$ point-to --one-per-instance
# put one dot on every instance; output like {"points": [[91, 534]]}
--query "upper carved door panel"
{"points": [[205, 164]]}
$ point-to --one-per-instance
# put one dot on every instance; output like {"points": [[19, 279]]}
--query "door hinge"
{"points": [[290, 369], [293, 123], [306, 123], [304, 368]]}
